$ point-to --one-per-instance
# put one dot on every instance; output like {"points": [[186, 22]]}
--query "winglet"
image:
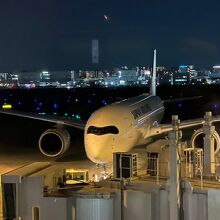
{"points": [[153, 79]]}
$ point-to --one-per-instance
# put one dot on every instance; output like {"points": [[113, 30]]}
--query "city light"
{"points": [[78, 117], [55, 106], [115, 77], [6, 106]]}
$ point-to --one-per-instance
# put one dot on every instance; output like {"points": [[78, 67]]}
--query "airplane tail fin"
{"points": [[153, 79]]}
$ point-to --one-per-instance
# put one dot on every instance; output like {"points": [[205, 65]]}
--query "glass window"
{"points": [[35, 213], [102, 130]]}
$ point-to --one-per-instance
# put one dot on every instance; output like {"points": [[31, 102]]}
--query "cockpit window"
{"points": [[102, 130]]}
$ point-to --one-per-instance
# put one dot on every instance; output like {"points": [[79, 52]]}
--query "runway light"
{"points": [[7, 106], [55, 106], [216, 105], [41, 113], [78, 117], [180, 105], [104, 102]]}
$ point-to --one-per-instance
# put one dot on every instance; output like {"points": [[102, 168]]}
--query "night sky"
{"points": [[57, 34]]}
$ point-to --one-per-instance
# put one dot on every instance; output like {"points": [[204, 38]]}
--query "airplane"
{"points": [[117, 127]]}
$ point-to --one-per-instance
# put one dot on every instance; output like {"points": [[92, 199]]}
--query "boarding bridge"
{"points": [[153, 163], [124, 165], [193, 162]]}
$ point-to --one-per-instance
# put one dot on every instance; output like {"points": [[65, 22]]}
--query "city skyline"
{"points": [[54, 35]]}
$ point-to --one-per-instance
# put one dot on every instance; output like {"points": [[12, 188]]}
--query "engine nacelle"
{"points": [[54, 142], [198, 136]]}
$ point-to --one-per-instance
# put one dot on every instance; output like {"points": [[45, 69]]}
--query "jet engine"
{"points": [[197, 140], [54, 142]]}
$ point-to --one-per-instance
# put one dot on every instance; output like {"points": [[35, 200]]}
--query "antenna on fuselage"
{"points": [[153, 79]]}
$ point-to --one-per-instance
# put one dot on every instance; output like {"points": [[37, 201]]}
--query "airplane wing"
{"points": [[164, 128], [181, 99], [49, 118]]}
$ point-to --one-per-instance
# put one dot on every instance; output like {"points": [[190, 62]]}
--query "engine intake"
{"points": [[54, 142]]}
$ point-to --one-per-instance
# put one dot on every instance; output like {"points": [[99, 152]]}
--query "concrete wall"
{"points": [[141, 202], [54, 208], [94, 208], [30, 194], [137, 205], [154, 205], [213, 204], [195, 206], [164, 206]]}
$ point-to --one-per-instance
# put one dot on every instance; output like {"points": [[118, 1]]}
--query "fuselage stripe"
{"points": [[140, 101], [151, 113]]}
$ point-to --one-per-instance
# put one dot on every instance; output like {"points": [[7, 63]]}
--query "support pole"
{"points": [[209, 151], [174, 183], [122, 186]]}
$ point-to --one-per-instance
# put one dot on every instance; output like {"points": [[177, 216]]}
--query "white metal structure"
{"points": [[193, 162]]}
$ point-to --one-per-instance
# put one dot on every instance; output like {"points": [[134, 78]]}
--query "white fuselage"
{"points": [[117, 127]]}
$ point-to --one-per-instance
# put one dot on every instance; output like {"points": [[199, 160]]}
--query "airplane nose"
{"points": [[98, 149], [93, 156]]}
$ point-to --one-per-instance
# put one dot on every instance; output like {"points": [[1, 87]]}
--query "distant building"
{"points": [[184, 75], [60, 76], [216, 69], [161, 68], [121, 77], [127, 77], [163, 76], [111, 81], [204, 72], [26, 77], [181, 78], [46, 76]]}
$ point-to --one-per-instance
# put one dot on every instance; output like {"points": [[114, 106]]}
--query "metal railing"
{"points": [[159, 170]]}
